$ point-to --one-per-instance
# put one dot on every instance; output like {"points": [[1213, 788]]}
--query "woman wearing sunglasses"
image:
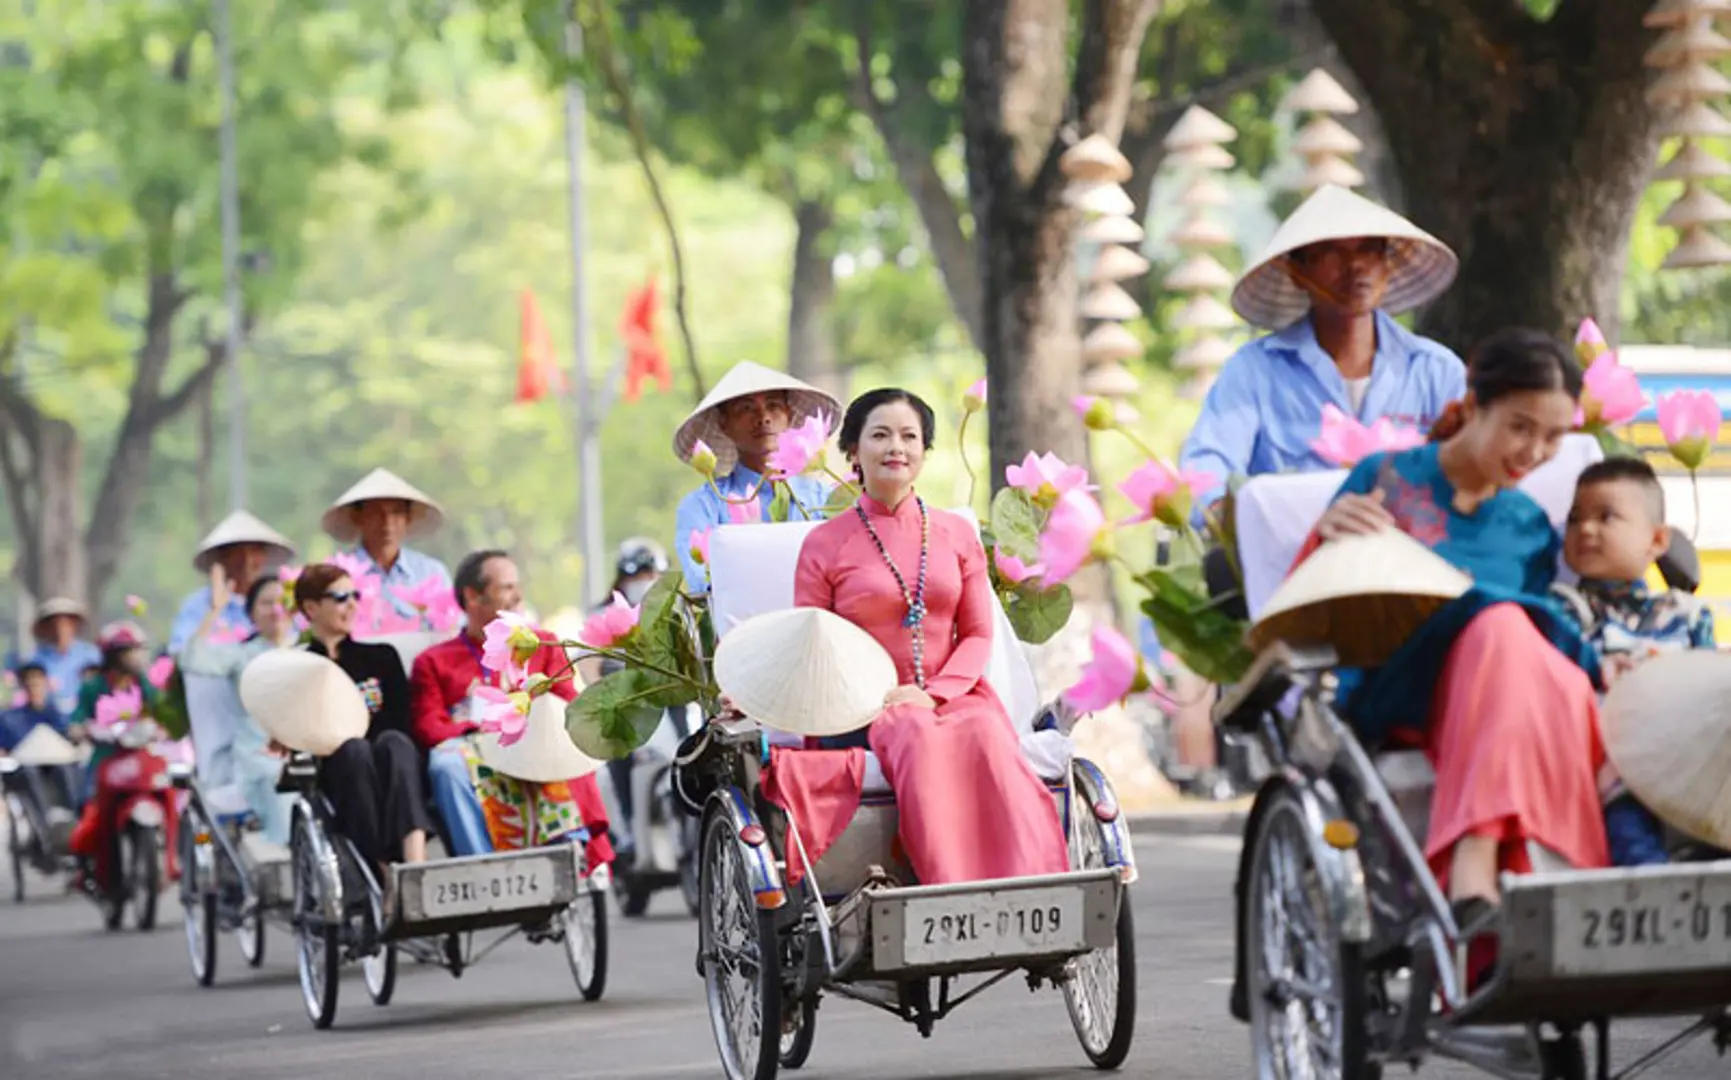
{"points": [[374, 784]]}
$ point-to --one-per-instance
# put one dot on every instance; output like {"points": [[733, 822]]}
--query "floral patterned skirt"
{"points": [[520, 814]]}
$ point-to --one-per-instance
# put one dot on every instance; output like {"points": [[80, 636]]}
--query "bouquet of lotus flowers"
{"points": [[169, 710]]}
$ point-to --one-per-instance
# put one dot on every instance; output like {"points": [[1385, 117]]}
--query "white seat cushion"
{"points": [[1275, 513]]}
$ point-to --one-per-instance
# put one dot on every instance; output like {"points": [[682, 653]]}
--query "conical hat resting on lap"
{"points": [[1362, 595], [303, 700], [42, 745], [805, 671], [1667, 728], [545, 754]]}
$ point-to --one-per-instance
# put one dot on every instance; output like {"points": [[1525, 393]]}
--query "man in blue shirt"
{"points": [[60, 653], [245, 547], [1332, 277], [38, 710], [381, 512], [741, 421]]}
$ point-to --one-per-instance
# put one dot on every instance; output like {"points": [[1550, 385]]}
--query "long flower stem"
{"points": [[962, 446], [845, 483], [1136, 441], [1695, 487]]}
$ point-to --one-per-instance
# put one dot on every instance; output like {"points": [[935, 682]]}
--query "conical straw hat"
{"points": [[1108, 301], [545, 754], [747, 378], [1198, 127], [1205, 191], [1095, 158], [1200, 231], [1420, 265], [1099, 197], [1363, 595], [1694, 81], [1319, 92], [1327, 169], [1667, 729], [1697, 120], [1697, 206], [1201, 157], [1203, 312], [43, 746], [241, 527], [303, 700], [1116, 263], [1110, 341], [1326, 136], [1109, 380], [1204, 354], [59, 605], [805, 671], [1697, 249], [1680, 12], [1692, 161], [1111, 230], [1694, 41], [342, 523], [1197, 273]]}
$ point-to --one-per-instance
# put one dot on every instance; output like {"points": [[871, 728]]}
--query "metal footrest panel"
{"points": [[1643, 941], [992, 925], [481, 891]]}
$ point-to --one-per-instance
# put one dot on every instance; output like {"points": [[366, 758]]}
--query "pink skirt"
{"points": [[970, 806], [1514, 738]]}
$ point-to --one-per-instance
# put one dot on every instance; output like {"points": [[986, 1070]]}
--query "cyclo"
{"points": [[768, 953], [337, 908], [39, 829], [1345, 934]]}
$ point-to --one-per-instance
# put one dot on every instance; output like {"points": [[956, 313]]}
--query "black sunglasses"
{"points": [[340, 597]]}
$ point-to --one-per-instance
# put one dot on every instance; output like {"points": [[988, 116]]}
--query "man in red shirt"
{"points": [[483, 809]]}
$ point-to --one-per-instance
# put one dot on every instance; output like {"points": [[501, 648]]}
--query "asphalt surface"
{"points": [[76, 1001]]}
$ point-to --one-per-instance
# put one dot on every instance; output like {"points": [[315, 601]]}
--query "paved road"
{"points": [[78, 1002]]}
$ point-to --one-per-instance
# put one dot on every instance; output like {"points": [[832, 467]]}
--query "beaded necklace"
{"points": [[915, 598]]}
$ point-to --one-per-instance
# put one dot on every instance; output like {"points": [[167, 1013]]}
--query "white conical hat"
{"points": [[1692, 161], [241, 527], [340, 521], [1319, 92], [1110, 341], [1108, 301], [747, 378], [1679, 12], [545, 754], [1095, 158], [1198, 273], [1698, 248], [59, 605], [1326, 136], [1420, 265], [1697, 206], [1109, 380], [1099, 197], [43, 746], [804, 670], [1684, 43], [1667, 728], [1198, 127], [1111, 230], [1117, 263], [303, 700], [1363, 595]]}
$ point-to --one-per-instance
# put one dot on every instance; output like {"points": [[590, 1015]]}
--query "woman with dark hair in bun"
{"points": [[914, 577]]}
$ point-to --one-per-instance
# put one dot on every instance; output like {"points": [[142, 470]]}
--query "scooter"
{"points": [[134, 827], [664, 837]]}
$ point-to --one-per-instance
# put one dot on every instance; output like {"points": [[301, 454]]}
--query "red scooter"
{"points": [[127, 834]]}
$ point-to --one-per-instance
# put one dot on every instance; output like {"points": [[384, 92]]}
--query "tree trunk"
{"points": [[1016, 97], [59, 568], [1525, 145], [206, 455], [810, 343]]}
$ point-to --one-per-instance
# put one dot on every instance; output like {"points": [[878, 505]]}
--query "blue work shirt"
{"points": [[412, 568], [192, 612], [65, 670], [1265, 408], [19, 722], [704, 509]]}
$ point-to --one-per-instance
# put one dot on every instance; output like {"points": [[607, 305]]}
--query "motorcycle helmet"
{"points": [[121, 635], [640, 556]]}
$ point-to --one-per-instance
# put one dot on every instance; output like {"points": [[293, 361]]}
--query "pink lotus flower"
{"points": [[1162, 494], [503, 714], [1611, 394], [161, 670], [135, 606], [20, 699], [798, 448], [119, 707], [700, 546], [975, 399], [1114, 672], [1045, 478], [508, 643], [1075, 534], [388, 620], [749, 512], [227, 633], [435, 603], [1014, 570], [611, 625], [1097, 413], [1590, 343], [1689, 420], [1344, 442]]}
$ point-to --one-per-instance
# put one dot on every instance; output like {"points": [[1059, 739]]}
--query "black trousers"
{"points": [[375, 789]]}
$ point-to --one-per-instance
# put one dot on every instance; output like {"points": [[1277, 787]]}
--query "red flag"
{"points": [[537, 366], [644, 358]]}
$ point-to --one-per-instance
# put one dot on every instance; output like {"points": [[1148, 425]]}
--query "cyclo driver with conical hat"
{"points": [[377, 515], [244, 548], [1328, 286], [740, 423]]}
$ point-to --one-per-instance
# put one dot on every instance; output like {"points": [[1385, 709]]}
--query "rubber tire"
{"points": [[251, 935], [388, 980], [794, 1056], [332, 959], [597, 985], [1355, 1063], [149, 863], [199, 909], [1124, 1023], [120, 866], [15, 842], [718, 827]]}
